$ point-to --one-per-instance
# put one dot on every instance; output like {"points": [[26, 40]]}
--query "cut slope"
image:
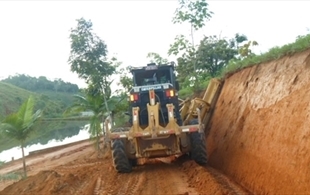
{"points": [[259, 133]]}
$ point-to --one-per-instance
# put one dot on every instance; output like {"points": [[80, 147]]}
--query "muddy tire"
{"points": [[120, 160], [198, 146]]}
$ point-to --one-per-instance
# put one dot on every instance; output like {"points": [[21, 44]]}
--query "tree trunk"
{"points": [[24, 160], [98, 141], [192, 34]]}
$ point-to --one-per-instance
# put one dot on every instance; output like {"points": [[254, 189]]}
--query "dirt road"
{"points": [[77, 169]]}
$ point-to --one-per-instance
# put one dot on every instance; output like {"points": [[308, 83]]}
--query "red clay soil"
{"points": [[259, 133], [77, 169]]}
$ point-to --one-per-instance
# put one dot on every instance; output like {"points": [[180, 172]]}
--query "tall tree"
{"points": [[19, 125], [195, 12], [88, 57]]}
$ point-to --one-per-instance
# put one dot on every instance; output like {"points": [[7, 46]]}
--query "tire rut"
{"points": [[165, 179]]}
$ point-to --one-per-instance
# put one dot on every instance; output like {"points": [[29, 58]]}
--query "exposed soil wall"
{"points": [[260, 131]]}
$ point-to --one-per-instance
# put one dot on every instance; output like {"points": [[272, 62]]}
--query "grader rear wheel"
{"points": [[198, 146]]}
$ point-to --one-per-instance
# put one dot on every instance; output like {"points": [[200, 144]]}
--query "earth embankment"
{"points": [[260, 131]]}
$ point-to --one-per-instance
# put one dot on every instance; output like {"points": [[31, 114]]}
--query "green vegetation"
{"points": [[302, 43], [95, 104], [10, 176], [88, 58], [19, 125]]}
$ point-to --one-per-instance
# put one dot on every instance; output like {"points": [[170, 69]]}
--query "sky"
{"points": [[34, 35]]}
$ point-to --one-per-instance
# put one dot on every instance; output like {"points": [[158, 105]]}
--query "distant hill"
{"points": [[41, 84], [53, 97]]}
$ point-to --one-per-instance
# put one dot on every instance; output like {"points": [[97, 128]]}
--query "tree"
{"points": [[125, 79], [213, 54], [94, 104], [156, 58], [194, 12], [186, 61], [88, 57], [19, 125]]}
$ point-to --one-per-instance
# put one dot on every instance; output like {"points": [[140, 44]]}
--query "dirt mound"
{"points": [[259, 133], [207, 180], [76, 177], [45, 182]]}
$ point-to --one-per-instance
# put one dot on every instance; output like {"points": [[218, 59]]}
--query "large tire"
{"points": [[120, 159], [198, 146]]}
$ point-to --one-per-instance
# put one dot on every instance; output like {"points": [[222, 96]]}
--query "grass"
{"points": [[10, 176], [301, 44]]}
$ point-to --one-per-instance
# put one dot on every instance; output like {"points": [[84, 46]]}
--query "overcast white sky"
{"points": [[34, 35]]}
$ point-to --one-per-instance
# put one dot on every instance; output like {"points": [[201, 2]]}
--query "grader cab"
{"points": [[160, 125]]}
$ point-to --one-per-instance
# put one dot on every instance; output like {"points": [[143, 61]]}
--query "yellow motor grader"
{"points": [[161, 124]]}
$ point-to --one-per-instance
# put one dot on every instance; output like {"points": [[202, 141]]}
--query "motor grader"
{"points": [[161, 124]]}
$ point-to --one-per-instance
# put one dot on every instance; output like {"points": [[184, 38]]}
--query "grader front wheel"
{"points": [[120, 160]]}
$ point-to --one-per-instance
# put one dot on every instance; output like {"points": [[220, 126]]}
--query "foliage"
{"points": [[186, 61], [195, 12], [214, 53], [95, 104], [125, 79], [88, 57], [156, 58], [119, 105], [302, 43], [211, 56], [10, 176], [19, 125]]}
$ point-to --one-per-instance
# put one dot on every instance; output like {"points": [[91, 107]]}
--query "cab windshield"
{"points": [[151, 77]]}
